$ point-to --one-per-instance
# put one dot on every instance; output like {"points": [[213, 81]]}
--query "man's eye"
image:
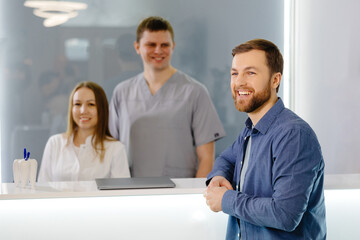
{"points": [[77, 104], [251, 73], [234, 74]]}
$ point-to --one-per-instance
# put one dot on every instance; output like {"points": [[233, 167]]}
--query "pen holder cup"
{"points": [[24, 172]]}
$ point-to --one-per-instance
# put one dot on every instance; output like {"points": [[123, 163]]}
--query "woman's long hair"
{"points": [[101, 132]]}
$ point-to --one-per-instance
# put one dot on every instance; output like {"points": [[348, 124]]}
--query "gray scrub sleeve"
{"points": [[206, 123]]}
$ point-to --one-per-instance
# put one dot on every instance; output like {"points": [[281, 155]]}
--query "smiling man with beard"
{"points": [[270, 181]]}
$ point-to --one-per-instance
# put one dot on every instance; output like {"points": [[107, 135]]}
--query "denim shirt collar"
{"points": [[265, 122]]}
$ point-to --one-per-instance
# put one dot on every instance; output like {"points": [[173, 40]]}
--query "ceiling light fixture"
{"points": [[55, 12]]}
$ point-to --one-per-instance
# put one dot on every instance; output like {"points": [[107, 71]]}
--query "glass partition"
{"points": [[40, 65]]}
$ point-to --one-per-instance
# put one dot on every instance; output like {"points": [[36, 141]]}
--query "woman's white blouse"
{"points": [[61, 163]]}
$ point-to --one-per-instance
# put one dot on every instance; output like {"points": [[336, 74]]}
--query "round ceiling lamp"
{"points": [[55, 12]]}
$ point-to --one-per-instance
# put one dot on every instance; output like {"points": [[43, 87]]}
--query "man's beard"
{"points": [[256, 101]]}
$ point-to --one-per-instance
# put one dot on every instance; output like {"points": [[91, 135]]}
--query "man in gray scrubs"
{"points": [[164, 117]]}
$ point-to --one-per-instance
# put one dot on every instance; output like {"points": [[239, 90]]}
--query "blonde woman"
{"points": [[86, 150]]}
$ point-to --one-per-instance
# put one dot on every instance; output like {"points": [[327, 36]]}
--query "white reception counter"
{"points": [[77, 210]]}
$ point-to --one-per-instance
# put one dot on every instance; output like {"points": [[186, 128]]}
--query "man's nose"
{"points": [[158, 49]]}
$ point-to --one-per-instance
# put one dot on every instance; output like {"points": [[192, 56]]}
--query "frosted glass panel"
{"points": [[327, 78], [41, 65]]}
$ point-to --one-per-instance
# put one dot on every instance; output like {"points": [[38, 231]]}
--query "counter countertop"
{"points": [[89, 189], [183, 186], [342, 181]]}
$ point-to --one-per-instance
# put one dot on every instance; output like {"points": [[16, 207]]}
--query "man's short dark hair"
{"points": [[154, 24]]}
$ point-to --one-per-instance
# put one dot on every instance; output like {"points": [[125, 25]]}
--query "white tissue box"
{"points": [[24, 172]]}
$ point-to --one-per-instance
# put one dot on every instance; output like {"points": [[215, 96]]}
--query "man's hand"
{"points": [[215, 192], [219, 181], [214, 196]]}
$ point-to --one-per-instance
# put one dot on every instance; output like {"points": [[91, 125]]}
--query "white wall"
{"points": [[327, 77]]}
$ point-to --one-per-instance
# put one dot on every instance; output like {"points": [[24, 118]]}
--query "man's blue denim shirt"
{"points": [[283, 195]]}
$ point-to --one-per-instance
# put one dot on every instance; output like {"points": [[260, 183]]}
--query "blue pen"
{"points": [[26, 156]]}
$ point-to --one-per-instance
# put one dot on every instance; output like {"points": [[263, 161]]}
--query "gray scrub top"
{"points": [[161, 131]]}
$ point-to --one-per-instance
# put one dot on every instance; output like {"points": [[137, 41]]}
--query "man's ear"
{"points": [[137, 46], [276, 79]]}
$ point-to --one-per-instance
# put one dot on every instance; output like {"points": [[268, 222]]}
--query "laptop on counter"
{"points": [[134, 183]]}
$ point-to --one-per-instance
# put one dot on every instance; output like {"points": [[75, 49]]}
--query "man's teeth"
{"points": [[244, 93]]}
